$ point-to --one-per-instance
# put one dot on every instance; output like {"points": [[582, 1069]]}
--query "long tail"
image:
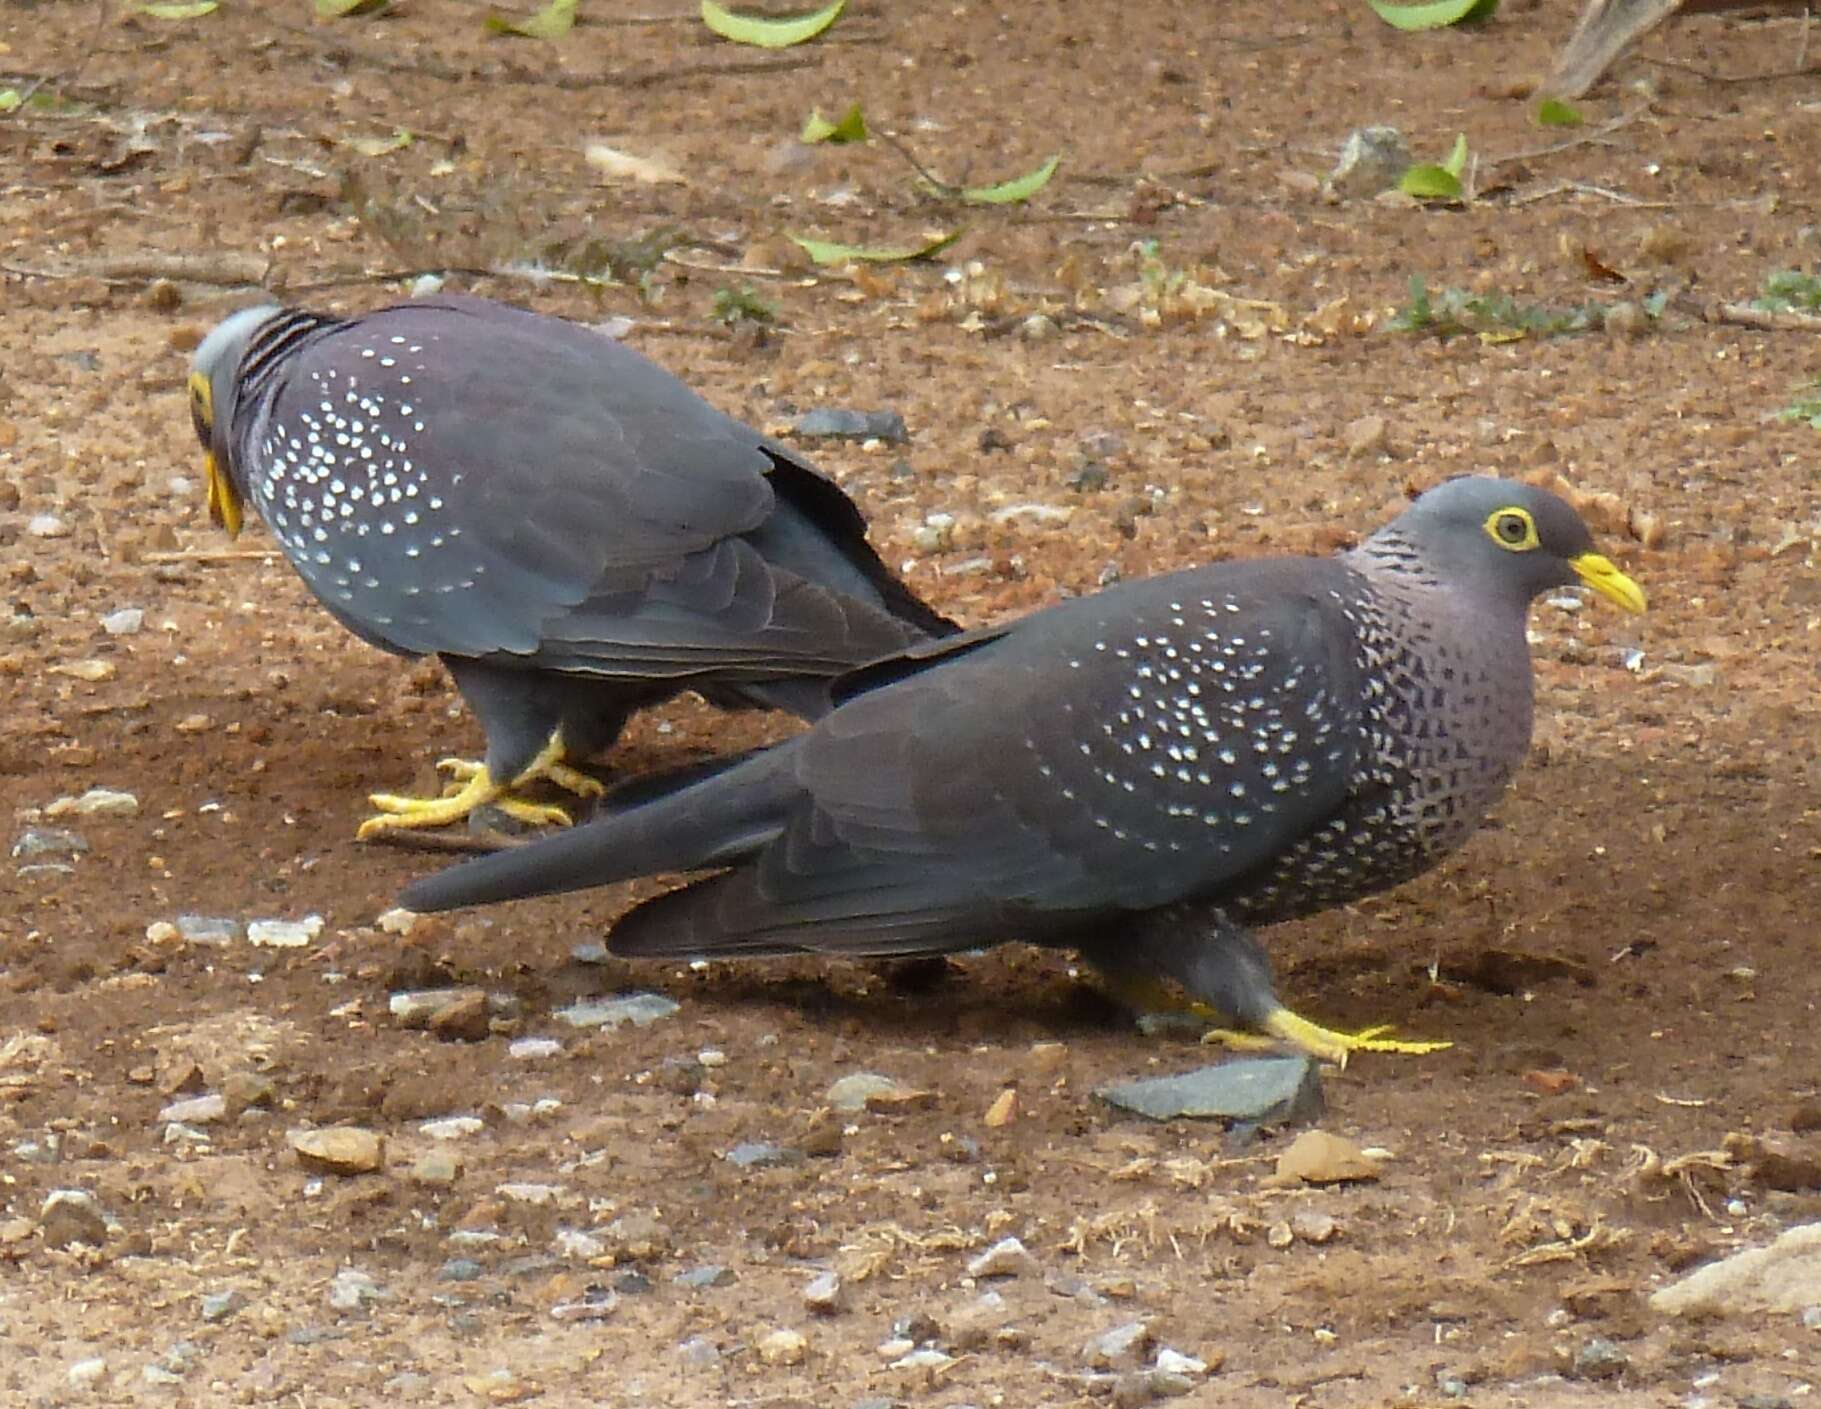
{"points": [[708, 821]]}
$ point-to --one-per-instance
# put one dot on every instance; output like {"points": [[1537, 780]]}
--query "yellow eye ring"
{"points": [[1512, 529]]}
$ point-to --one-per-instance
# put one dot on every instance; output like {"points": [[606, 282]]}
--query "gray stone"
{"points": [[852, 1092], [218, 1306], [709, 1274], [699, 1353], [48, 841], [351, 1289], [196, 1110], [1600, 1359], [838, 424], [86, 1374], [1247, 1089], [1006, 1258], [1120, 1348], [753, 1154], [460, 1269], [208, 929], [47, 526], [639, 1009], [1372, 159], [824, 1295], [128, 621], [96, 802]]}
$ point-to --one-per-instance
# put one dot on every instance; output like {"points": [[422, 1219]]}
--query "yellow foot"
{"points": [[479, 790], [1320, 1042], [570, 780]]}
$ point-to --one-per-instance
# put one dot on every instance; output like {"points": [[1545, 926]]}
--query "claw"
{"points": [[1323, 1043], [472, 786]]}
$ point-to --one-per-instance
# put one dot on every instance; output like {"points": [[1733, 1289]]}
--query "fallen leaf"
{"points": [[190, 11], [769, 34], [1433, 15], [1020, 188], [828, 252], [850, 127], [1552, 1082], [379, 146], [552, 22], [1004, 1109]]}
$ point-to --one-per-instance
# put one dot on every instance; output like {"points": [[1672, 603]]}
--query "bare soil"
{"points": [[1621, 960]]}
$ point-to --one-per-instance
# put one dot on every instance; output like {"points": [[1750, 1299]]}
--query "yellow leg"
{"points": [[1320, 1042], [1145, 994], [474, 787]]}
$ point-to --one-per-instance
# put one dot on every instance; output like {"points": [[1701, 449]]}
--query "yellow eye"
{"points": [[1512, 528]]}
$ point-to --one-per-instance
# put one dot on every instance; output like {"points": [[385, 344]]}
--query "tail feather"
{"points": [[710, 821]]}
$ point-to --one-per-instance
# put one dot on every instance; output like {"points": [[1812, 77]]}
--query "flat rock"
{"points": [[1120, 1348], [639, 1009], [1783, 1277], [752, 1154], [1318, 1157], [825, 1295], [1252, 1090], [36, 842], [867, 1090], [341, 1149], [196, 1110], [208, 929], [835, 423]]}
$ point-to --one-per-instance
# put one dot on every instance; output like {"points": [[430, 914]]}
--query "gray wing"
{"points": [[467, 478], [1118, 753]]}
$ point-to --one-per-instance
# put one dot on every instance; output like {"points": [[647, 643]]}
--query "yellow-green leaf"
{"points": [[1456, 161], [192, 11], [379, 146], [10, 98], [335, 9], [850, 127], [1435, 14], [1553, 112], [828, 252], [552, 22], [1428, 182], [1020, 188], [768, 34]]}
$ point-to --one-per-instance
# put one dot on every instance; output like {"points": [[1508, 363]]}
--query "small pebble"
{"points": [[709, 1274], [436, 1169], [698, 1352], [218, 1306], [590, 951], [86, 1374], [351, 1289], [284, 934], [925, 1358], [1006, 1258], [96, 802], [536, 1195], [128, 621], [397, 921], [838, 424], [783, 1347], [207, 929], [1600, 1359], [1120, 1348], [72, 1216], [1311, 1226], [858, 1090], [452, 1127], [47, 526], [48, 841], [341, 1149], [639, 1009], [531, 1049], [460, 1269], [197, 1110], [824, 1295], [578, 1246], [754, 1155]]}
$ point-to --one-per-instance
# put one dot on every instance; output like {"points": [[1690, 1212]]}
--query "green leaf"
{"points": [[768, 34], [827, 252], [851, 127], [191, 11], [379, 146], [1553, 112], [1456, 161], [1020, 188], [9, 99], [335, 9], [1435, 14], [552, 22], [1428, 182]]}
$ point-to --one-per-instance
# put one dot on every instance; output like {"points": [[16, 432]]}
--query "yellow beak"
{"points": [[1601, 574], [224, 503]]}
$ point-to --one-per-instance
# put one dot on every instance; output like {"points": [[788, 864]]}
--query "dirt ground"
{"points": [[1621, 959]]}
